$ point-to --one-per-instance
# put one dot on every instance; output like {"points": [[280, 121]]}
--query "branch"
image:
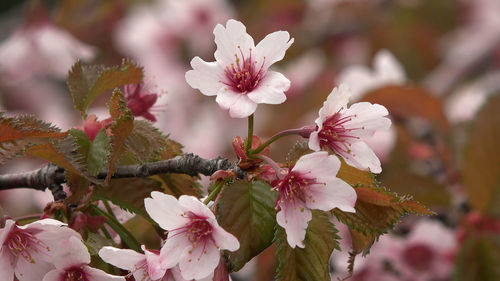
{"points": [[189, 164]]}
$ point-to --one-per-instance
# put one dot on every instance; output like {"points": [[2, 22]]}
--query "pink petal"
{"points": [[273, 47], [363, 158], [155, 267], [205, 76], [294, 218], [99, 275], [71, 252], [338, 99], [4, 232], [27, 271], [192, 204], [335, 194], [239, 105], [6, 267], [173, 250], [271, 89], [388, 69], [360, 80], [121, 258], [318, 165], [228, 39], [367, 118], [223, 239], [314, 141], [165, 210], [201, 262], [54, 275]]}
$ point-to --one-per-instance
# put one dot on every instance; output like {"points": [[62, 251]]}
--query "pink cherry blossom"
{"points": [[194, 237], [343, 129], [27, 251], [144, 267], [310, 184], [141, 100], [71, 262], [239, 77]]}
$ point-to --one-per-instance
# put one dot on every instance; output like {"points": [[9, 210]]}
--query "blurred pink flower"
{"points": [[361, 79], [240, 77], [141, 100], [310, 184], [28, 251], [71, 263], [194, 237], [43, 49], [343, 129]]}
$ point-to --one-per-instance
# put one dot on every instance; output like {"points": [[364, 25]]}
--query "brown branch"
{"points": [[189, 164]]}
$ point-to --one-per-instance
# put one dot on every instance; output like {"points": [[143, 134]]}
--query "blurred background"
{"points": [[434, 64]]}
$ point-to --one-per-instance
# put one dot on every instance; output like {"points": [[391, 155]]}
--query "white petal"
{"points": [[165, 210], [192, 204], [273, 47], [271, 89], [314, 141], [335, 194], [99, 275], [223, 239], [54, 275], [71, 252], [6, 267], [388, 69], [205, 76], [367, 118], [239, 105], [337, 99], [201, 262], [175, 246], [363, 158], [27, 271], [294, 218], [228, 39], [318, 165], [121, 258], [155, 266]]}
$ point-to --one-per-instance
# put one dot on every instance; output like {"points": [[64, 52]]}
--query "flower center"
{"points": [[75, 274], [244, 75], [22, 244], [418, 257], [335, 135], [292, 187]]}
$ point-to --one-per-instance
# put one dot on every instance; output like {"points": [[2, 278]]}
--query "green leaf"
{"points": [[128, 193], [246, 209], [20, 132], [145, 141], [482, 162], [86, 83], [478, 259], [96, 241], [79, 187], [312, 262], [98, 153]]}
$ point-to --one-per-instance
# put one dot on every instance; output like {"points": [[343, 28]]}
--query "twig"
{"points": [[190, 164]]}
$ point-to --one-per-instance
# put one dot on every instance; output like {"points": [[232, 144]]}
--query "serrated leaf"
{"points": [[145, 141], [482, 162], [20, 132], [170, 150], [312, 262], [78, 185], [98, 153], [179, 184], [86, 83], [62, 153], [122, 126], [128, 193], [478, 259], [246, 209], [82, 141]]}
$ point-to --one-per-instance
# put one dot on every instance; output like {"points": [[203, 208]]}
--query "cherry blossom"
{"points": [[71, 263], [240, 77], [27, 251], [140, 100], [310, 184], [387, 71], [343, 129], [144, 267], [194, 237]]}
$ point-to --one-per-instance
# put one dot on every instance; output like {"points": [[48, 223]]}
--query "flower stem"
{"points": [[214, 193], [250, 134], [304, 132], [273, 164]]}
